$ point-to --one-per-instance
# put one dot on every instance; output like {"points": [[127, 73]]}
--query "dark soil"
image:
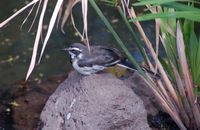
{"points": [[22, 102], [162, 121]]}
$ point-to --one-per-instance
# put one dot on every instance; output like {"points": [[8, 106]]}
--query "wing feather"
{"points": [[101, 56]]}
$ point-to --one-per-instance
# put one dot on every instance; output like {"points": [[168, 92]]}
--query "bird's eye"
{"points": [[75, 52]]}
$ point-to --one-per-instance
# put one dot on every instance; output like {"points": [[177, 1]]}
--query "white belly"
{"points": [[87, 70]]}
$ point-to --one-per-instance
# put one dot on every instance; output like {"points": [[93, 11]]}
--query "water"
{"points": [[16, 48], [16, 45]]}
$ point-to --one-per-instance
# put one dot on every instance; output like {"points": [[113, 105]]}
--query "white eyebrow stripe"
{"points": [[74, 48]]}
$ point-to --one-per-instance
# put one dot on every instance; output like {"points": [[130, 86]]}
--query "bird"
{"points": [[96, 58]]}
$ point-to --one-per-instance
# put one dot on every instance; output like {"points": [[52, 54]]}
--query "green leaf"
{"points": [[157, 2], [180, 6], [168, 68], [187, 27], [198, 64], [191, 15], [193, 52]]}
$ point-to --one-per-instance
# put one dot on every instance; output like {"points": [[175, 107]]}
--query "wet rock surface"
{"points": [[144, 92], [100, 102]]}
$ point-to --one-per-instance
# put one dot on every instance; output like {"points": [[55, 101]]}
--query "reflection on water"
{"points": [[16, 48], [16, 45]]}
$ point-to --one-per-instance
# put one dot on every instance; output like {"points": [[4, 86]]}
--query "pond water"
{"points": [[16, 48], [16, 45]]}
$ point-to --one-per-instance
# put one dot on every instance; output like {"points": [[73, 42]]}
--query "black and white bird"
{"points": [[97, 59]]}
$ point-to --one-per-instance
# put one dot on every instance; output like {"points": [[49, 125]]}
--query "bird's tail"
{"points": [[128, 65]]}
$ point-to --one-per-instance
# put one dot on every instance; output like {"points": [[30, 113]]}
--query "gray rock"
{"points": [[97, 102], [144, 92]]}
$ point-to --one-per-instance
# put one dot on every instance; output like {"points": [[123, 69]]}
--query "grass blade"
{"points": [[118, 40], [18, 12], [37, 38], [70, 4], [186, 74], [180, 6], [51, 25], [190, 15], [135, 36], [154, 2]]}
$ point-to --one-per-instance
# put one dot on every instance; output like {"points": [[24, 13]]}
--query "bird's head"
{"points": [[75, 50]]}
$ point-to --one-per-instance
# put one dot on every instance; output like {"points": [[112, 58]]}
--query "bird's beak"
{"points": [[65, 49]]}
